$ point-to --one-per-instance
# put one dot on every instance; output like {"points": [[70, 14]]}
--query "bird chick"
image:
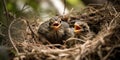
{"points": [[81, 34], [82, 30], [55, 30]]}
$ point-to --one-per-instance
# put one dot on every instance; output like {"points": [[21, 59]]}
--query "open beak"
{"points": [[77, 28], [56, 25]]}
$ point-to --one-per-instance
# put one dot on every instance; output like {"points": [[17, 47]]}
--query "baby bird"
{"points": [[55, 30], [82, 30]]}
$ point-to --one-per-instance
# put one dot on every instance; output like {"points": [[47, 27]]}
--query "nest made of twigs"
{"points": [[103, 20]]}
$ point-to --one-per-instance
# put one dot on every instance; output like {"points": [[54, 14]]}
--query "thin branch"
{"points": [[33, 34], [114, 19], [23, 7], [53, 51], [10, 38], [6, 11], [64, 7], [105, 58], [75, 39]]}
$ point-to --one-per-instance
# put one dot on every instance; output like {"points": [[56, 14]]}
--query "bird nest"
{"points": [[103, 20]]}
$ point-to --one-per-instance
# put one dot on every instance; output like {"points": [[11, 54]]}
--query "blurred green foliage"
{"points": [[75, 3], [11, 6], [34, 4], [13, 10]]}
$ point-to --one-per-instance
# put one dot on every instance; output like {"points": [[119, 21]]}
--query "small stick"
{"points": [[64, 6], [6, 11], [33, 34], [10, 38]]}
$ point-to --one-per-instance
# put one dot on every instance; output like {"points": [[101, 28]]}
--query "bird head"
{"points": [[80, 27], [55, 23], [77, 28]]}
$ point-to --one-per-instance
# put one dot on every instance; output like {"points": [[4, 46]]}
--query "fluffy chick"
{"points": [[55, 30], [82, 30]]}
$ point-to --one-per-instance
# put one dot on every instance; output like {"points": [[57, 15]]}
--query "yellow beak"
{"points": [[56, 25], [77, 29]]}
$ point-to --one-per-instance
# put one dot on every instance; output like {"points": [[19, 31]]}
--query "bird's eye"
{"points": [[51, 20], [84, 27], [60, 21], [50, 23]]}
